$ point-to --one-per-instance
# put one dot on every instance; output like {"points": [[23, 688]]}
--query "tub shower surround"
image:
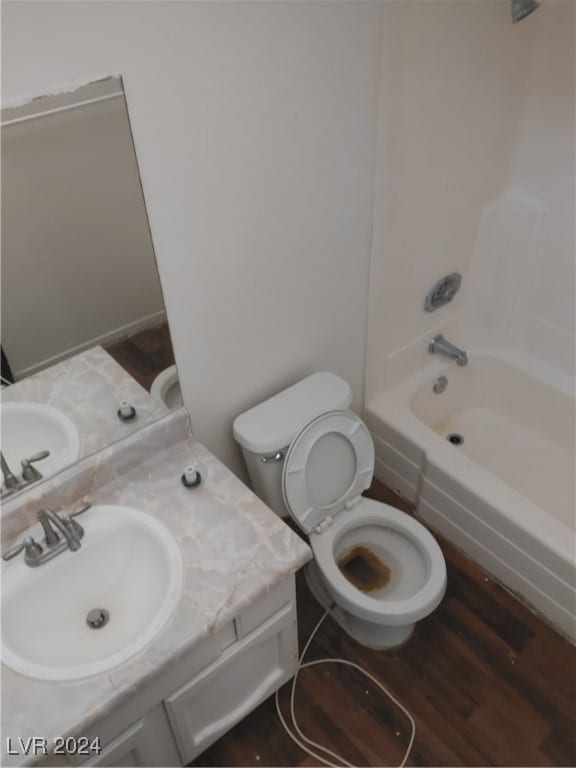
{"points": [[89, 388], [234, 549], [488, 459]]}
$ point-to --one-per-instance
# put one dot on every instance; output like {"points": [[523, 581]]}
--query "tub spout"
{"points": [[439, 346]]}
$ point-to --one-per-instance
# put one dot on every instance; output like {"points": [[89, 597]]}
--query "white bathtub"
{"points": [[506, 495]]}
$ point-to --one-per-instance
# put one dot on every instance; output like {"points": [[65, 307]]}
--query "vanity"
{"points": [[230, 640], [145, 616]]}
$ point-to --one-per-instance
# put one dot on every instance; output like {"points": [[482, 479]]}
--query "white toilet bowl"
{"points": [[166, 387], [384, 617], [376, 568]]}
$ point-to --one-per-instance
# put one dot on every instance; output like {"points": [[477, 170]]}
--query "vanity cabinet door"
{"points": [[149, 742], [223, 693]]}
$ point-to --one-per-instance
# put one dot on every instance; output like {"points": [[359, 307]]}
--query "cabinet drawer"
{"points": [[266, 606], [221, 695], [148, 742]]}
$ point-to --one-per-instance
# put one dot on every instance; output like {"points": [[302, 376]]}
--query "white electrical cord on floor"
{"points": [[301, 739]]}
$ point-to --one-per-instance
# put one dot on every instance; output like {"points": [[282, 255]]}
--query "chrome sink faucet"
{"points": [[11, 482], [439, 346], [69, 529], [29, 475], [61, 532]]}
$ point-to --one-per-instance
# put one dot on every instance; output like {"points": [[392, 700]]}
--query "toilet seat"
{"points": [[328, 465], [394, 612]]}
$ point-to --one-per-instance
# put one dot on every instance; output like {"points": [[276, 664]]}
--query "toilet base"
{"points": [[379, 637]]}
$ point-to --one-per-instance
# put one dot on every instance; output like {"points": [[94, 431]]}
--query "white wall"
{"points": [[254, 126], [476, 116], [526, 234], [78, 265]]}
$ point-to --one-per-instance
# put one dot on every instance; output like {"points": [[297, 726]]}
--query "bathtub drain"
{"points": [[455, 438]]}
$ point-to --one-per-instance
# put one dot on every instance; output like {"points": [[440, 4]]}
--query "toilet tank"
{"points": [[266, 431]]}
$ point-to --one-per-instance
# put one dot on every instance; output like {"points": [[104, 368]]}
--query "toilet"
{"points": [[376, 568], [166, 387]]}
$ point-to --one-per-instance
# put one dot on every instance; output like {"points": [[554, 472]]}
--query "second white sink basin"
{"points": [[128, 568], [28, 428]]}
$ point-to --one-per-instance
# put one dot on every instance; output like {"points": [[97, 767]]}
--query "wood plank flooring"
{"points": [[487, 682], [145, 354]]}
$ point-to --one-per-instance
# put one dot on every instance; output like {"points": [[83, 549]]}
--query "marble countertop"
{"points": [[234, 549], [89, 388]]}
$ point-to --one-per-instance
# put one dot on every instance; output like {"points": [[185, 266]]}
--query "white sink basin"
{"points": [[28, 428], [129, 565]]}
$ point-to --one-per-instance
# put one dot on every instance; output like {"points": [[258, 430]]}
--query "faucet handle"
{"points": [[81, 510], [36, 457], [14, 550], [74, 527], [30, 473], [33, 549]]}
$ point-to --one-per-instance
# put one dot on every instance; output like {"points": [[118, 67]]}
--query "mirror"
{"points": [[86, 352]]}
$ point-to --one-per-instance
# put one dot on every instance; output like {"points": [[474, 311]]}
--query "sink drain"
{"points": [[97, 618], [455, 438]]}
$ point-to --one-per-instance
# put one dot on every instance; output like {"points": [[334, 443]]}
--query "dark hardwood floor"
{"points": [[145, 354], [487, 682]]}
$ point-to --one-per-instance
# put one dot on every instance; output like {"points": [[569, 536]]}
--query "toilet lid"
{"points": [[329, 463]]}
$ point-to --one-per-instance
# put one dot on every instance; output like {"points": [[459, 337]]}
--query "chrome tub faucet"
{"points": [[439, 346]]}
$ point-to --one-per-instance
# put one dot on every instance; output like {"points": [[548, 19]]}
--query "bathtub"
{"points": [[504, 490]]}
